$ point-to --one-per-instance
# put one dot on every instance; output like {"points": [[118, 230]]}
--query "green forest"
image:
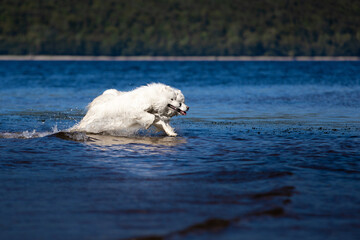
{"points": [[180, 27]]}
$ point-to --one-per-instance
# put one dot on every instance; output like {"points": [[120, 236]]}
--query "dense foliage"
{"points": [[180, 27]]}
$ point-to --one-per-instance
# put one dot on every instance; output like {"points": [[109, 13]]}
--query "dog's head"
{"points": [[173, 102], [177, 103]]}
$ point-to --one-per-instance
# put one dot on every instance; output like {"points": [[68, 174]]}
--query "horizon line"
{"points": [[173, 58]]}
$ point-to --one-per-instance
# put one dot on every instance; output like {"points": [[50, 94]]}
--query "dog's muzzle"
{"points": [[178, 109]]}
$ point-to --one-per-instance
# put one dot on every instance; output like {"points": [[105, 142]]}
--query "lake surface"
{"points": [[268, 150]]}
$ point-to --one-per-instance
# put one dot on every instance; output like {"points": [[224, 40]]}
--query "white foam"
{"points": [[28, 134]]}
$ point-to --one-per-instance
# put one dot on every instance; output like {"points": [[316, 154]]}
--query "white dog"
{"points": [[116, 112]]}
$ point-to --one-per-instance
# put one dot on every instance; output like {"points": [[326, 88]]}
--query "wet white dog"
{"points": [[116, 112]]}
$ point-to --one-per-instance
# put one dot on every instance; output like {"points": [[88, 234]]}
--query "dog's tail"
{"points": [[113, 92], [108, 94]]}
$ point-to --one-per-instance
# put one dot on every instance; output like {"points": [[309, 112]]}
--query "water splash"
{"points": [[29, 134], [24, 135]]}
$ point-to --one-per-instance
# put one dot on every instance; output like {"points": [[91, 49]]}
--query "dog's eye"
{"points": [[172, 99], [180, 104]]}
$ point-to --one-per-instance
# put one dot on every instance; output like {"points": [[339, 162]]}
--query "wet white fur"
{"points": [[116, 112]]}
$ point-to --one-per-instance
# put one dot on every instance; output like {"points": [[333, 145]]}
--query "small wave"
{"points": [[25, 134], [73, 136], [97, 139], [28, 134], [109, 140]]}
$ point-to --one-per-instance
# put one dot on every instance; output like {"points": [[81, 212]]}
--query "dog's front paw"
{"points": [[173, 134]]}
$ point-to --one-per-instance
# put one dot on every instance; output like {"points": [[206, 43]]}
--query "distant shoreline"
{"points": [[172, 58]]}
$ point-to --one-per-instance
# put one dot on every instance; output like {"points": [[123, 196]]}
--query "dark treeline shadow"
{"points": [[180, 27]]}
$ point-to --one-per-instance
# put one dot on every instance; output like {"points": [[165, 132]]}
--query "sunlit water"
{"points": [[267, 150]]}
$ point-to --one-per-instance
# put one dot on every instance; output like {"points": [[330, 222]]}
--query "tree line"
{"points": [[180, 27]]}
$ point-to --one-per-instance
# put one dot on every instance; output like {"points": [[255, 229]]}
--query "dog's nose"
{"points": [[187, 108]]}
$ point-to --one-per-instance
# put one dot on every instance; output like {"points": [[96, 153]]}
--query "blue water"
{"points": [[268, 150]]}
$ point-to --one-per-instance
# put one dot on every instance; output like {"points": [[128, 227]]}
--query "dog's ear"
{"points": [[168, 88], [179, 95]]}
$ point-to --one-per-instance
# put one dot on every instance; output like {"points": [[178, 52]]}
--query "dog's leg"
{"points": [[161, 125], [145, 119], [169, 130]]}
